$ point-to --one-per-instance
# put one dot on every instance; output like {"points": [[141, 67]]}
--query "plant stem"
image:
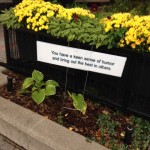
{"points": [[68, 108]]}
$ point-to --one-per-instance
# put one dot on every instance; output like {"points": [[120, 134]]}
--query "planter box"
{"points": [[34, 132], [130, 92]]}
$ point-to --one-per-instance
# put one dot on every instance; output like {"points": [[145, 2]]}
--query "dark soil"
{"points": [[59, 108]]}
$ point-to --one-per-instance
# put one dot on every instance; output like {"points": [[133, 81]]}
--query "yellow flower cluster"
{"points": [[116, 21], [137, 35], [37, 13], [68, 13]]}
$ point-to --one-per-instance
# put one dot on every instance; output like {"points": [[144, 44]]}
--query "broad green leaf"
{"points": [[34, 89], [27, 82], [52, 82], [79, 102], [38, 96], [39, 84], [37, 75], [50, 90]]}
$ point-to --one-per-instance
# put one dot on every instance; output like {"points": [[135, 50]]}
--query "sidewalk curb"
{"points": [[34, 132]]}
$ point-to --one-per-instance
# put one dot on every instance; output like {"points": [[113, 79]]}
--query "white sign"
{"points": [[80, 59]]}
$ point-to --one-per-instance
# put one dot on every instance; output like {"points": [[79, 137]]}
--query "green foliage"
{"points": [[115, 36], [83, 4], [38, 87], [133, 6], [8, 19], [79, 102], [107, 126], [60, 118], [85, 30], [141, 133]]}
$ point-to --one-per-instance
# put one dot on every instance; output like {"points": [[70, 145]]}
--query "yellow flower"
{"points": [[37, 15], [36, 9], [121, 45], [142, 40], [50, 13], [137, 42], [117, 25], [69, 17], [28, 26], [108, 27], [136, 17], [41, 22], [46, 27], [127, 42], [122, 41], [133, 45], [28, 20], [36, 29], [148, 40]]}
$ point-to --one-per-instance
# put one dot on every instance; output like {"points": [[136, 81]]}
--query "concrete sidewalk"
{"points": [[6, 144]]}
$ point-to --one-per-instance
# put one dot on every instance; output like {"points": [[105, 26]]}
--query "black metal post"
{"points": [[128, 135], [9, 84]]}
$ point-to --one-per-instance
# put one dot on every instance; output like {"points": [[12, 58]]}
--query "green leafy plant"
{"points": [[39, 89], [107, 128], [60, 118], [78, 102], [8, 18], [141, 133], [81, 24], [138, 7]]}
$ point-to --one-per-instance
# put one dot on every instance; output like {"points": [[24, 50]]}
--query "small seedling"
{"points": [[38, 88], [78, 102]]}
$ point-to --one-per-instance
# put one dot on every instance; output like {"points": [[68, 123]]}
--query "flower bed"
{"points": [[100, 123]]}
